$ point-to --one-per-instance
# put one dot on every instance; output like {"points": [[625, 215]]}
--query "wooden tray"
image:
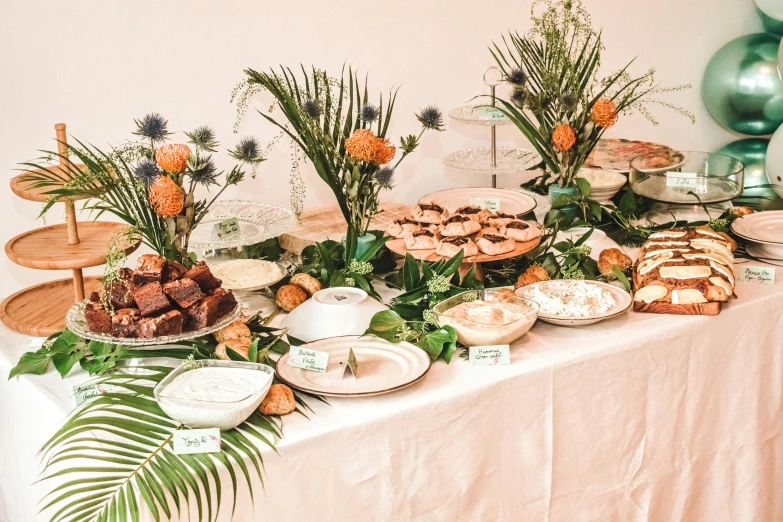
{"points": [[47, 248], [40, 310], [20, 185], [398, 247], [712, 308]]}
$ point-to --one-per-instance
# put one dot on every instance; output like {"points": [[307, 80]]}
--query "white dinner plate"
{"points": [[761, 227], [383, 367], [511, 201], [623, 302], [765, 252]]}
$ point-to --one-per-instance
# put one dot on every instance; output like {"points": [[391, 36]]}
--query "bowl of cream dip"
{"points": [[214, 393]]}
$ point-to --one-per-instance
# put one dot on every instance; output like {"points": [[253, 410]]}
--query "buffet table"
{"points": [[642, 417]]}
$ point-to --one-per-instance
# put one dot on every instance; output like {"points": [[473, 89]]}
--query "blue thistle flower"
{"points": [[431, 118], [147, 170], [517, 77], [518, 97], [312, 108], [370, 113], [568, 101], [247, 150], [152, 126], [205, 171], [203, 137], [385, 177]]}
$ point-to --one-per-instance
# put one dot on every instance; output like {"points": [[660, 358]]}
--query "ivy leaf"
{"points": [[441, 343], [35, 363], [64, 362], [384, 322]]}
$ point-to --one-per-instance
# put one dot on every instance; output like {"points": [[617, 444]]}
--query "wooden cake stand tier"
{"points": [[40, 310], [398, 247], [20, 185], [47, 248]]}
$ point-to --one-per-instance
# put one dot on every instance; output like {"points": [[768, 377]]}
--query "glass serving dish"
{"points": [[479, 115], [75, 322], [487, 317], [222, 412], [479, 161], [258, 221], [688, 177]]}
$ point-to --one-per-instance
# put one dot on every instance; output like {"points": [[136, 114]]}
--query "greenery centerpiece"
{"points": [[559, 100], [149, 184]]}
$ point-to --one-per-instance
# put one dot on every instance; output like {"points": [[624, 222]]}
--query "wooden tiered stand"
{"points": [[40, 310]]}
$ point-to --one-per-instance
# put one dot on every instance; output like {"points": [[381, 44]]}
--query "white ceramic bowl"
{"points": [[332, 312], [213, 414], [622, 299], [604, 183]]}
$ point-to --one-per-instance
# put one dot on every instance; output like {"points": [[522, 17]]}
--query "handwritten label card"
{"points": [[489, 355], [227, 229], [763, 275], [301, 357], [85, 392], [492, 204], [187, 442], [681, 179], [490, 113], [351, 365]]}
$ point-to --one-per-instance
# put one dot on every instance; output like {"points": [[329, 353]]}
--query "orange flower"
{"points": [[563, 138], [385, 152], [166, 197], [173, 157], [365, 146], [604, 113]]}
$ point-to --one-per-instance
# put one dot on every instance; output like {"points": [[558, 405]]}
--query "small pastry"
{"points": [[500, 219], [742, 211], [421, 240], [307, 283], [458, 225], [612, 257], [520, 231], [493, 245], [289, 297], [493, 231], [279, 401], [505, 295], [429, 213], [235, 331], [477, 214], [533, 274], [402, 227], [450, 247]]}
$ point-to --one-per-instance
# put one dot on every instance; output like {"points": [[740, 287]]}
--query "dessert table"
{"points": [[641, 417]]}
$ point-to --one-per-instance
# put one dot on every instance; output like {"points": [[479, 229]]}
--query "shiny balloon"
{"points": [[771, 8], [753, 153], [771, 25], [775, 161], [742, 88]]}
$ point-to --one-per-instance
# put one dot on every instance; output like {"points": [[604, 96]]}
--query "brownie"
{"points": [[169, 323], [98, 319], [124, 322], [203, 277], [120, 291], [185, 292], [151, 300], [173, 272], [226, 301], [150, 268], [201, 314]]}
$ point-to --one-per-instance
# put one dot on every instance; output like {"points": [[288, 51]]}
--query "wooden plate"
{"points": [[20, 185], [511, 201], [398, 247]]}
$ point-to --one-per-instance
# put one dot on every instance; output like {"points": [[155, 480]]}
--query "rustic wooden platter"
{"points": [[398, 247], [20, 185], [40, 310], [47, 248], [712, 308]]}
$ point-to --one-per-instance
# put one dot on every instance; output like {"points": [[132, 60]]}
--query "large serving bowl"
{"points": [[688, 177], [217, 413], [332, 312], [480, 333]]}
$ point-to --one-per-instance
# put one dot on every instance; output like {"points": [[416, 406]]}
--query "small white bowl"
{"points": [[604, 183], [332, 312]]}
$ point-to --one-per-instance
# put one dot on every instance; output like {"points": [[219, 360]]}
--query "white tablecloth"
{"points": [[640, 418]]}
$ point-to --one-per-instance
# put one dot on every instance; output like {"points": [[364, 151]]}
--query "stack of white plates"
{"points": [[764, 232]]}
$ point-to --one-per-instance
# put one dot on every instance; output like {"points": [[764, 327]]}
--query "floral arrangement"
{"points": [[558, 100], [343, 134], [150, 184]]}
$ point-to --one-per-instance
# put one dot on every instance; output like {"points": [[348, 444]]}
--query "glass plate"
{"points": [[478, 161], [475, 115], [258, 221], [75, 322], [216, 271]]}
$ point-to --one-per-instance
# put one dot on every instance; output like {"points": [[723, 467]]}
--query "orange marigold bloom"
{"points": [[173, 157], [604, 113], [166, 197], [563, 138], [385, 152]]}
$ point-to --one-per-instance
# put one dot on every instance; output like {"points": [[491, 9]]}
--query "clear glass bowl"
{"points": [[258, 221], [223, 414], [687, 177], [490, 327], [479, 161]]}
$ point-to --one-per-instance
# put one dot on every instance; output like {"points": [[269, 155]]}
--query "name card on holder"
{"points": [[681, 179], [763, 275], [227, 229], [187, 442], [491, 113], [306, 359], [492, 204], [85, 392], [351, 365], [493, 355]]}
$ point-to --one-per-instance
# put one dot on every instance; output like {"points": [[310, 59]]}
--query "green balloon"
{"points": [[742, 88], [770, 24], [753, 153]]}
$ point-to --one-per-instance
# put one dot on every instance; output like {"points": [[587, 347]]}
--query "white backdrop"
{"points": [[97, 65]]}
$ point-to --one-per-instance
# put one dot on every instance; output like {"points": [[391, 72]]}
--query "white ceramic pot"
{"points": [[332, 312]]}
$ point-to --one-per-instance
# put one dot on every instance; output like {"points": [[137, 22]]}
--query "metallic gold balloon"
{"points": [[753, 153], [742, 88]]}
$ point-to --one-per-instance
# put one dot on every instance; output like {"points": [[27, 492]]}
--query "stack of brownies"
{"points": [[159, 298]]}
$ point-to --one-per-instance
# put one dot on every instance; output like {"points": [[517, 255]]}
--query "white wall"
{"points": [[96, 65]]}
